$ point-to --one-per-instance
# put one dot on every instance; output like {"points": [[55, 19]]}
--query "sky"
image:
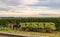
{"points": [[29, 8]]}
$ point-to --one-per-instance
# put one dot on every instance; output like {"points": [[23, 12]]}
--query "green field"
{"points": [[54, 34]]}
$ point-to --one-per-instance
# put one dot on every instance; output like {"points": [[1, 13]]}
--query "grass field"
{"points": [[36, 33], [55, 34]]}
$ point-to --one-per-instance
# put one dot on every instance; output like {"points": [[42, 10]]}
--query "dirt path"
{"points": [[6, 34]]}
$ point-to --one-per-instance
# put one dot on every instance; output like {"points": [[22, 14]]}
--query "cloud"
{"points": [[36, 8], [39, 10], [4, 9], [28, 2], [10, 2], [50, 15], [19, 2], [10, 14], [53, 4]]}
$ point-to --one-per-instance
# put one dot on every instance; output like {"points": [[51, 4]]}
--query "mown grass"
{"points": [[5, 29], [40, 34]]}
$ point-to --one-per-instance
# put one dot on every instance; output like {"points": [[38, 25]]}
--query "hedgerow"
{"points": [[38, 27]]}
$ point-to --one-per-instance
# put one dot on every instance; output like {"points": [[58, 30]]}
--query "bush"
{"points": [[5, 29], [50, 27], [41, 27]]}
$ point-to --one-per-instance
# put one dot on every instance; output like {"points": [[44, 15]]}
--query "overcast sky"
{"points": [[30, 8]]}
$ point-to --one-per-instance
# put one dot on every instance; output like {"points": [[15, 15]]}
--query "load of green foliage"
{"points": [[38, 27]]}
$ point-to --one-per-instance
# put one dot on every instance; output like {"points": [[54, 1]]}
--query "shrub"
{"points": [[41, 27], [49, 27]]}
